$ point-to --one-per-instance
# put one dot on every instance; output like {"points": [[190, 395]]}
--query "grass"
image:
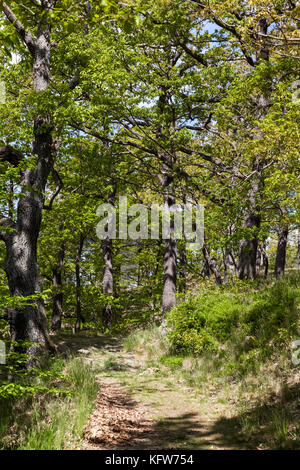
{"points": [[51, 422], [149, 341], [111, 363]]}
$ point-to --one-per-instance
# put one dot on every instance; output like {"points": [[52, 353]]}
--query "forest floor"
{"points": [[141, 406]]}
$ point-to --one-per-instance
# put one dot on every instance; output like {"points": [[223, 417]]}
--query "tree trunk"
{"points": [[170, 249], [29, 322], [248, 250], [212, 264], [258, 260], [79, 317], [108, 277], [169, 290], [57, 312], [281, 250], [265, 261], [252, 220], [108, 281], [205, 272], [229, 266], [298, 247], [182, 270]]}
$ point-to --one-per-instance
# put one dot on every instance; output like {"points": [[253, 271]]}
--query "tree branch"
{"points": [[25, 35], [59, 186], [215, 161], [105, 139], [199, 58], [5, 223], [11, 155]]}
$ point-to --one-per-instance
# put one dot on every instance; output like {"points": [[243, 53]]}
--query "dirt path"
{"points": [[138, 407]]}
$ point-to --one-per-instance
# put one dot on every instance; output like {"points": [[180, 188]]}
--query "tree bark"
{"points": [[57, 312], [169, 290], [182, 270], [205, 272], [170, 249], [29, 322], [229, 266], [298, 247], [10, 155], [252, 220], [265, 261], [108, 281], [248, 250], [258, 260], [79, 317], [281, 250], [212, 264], [108, 277]]}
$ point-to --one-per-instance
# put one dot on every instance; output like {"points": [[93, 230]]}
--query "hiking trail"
{"points": [[138, 407]]}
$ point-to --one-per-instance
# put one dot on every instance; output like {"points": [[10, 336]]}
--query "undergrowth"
{"points": [[51, 421]]}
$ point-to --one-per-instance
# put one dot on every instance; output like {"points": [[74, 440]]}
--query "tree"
{"points": [[29, 323], [256, 36]]}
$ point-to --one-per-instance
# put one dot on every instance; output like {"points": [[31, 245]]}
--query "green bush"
{"points": [[258, 319], [174, 362], [200, 322]]}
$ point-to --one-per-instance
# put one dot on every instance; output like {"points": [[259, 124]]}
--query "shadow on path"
{"points": [[120, 422]]}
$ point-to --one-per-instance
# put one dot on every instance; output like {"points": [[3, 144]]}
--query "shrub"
{"points": [[201, 322], [258, 319], [174, 362]]}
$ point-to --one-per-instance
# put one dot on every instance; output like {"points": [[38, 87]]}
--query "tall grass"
{"points": [[150, 342], [52, 422]]}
